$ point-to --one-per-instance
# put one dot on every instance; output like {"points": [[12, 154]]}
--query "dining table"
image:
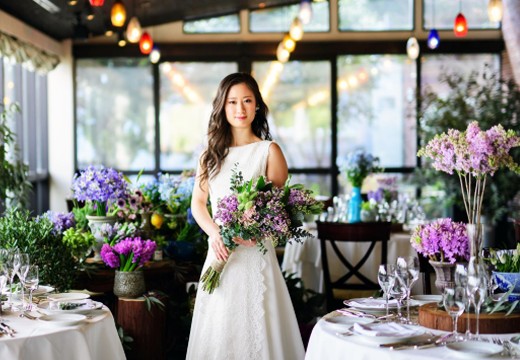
{"points": [[304, 259], [93, 338], [328, 341]]}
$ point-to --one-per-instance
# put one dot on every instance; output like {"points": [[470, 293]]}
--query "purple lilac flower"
{"points": [[61, 221], [376, 196]]}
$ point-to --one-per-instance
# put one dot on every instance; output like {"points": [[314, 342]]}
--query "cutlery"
{"points": [[432, 341], [7, 329], [28, 316]]}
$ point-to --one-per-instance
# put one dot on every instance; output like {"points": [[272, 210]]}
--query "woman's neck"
{"points": [[241, 138]]}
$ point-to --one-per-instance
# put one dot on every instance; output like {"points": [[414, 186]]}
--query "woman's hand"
{"points": [[247, 243], [220, 250]]}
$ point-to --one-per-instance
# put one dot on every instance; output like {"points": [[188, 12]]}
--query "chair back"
{"points": [[337, 233]]}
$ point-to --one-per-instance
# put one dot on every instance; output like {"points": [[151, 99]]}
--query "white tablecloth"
{"points": [[305, 259], [326, 344], [94, 339]]}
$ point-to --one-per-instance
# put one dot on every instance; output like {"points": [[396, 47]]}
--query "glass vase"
{"points": [[354, 205], [475, 240]]}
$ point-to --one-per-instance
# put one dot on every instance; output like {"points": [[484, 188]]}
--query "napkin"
{"points": [[371, 303], [385, 329]]}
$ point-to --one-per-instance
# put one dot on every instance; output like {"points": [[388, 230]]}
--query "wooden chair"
{"points": [[339, 233]]}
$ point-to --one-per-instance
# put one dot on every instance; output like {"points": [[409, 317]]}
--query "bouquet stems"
{"points": [[211, 277]]}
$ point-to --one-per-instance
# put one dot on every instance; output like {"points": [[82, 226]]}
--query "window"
{"points": [[375, 15], [214, 25], [187, 92], [440, 14]]}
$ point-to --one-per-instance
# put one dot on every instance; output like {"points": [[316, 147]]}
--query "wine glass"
{"points": [[461, 280], [398, 292], [3, 274], [31, 283], [22, 261], [477, 288], [11, 268], [407, 270], [454, 304], [386, 278]]}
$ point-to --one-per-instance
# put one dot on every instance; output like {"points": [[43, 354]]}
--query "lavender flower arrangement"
{"points": [[442, 240], [128, 254], [61, 221], [257, 211], [358, 165], [135, 204], [101, 187]]}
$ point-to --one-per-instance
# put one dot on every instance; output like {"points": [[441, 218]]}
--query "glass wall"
{"points": [[375, 15]]}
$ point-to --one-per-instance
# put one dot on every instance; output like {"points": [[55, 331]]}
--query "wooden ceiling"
{"points": [[70, 21]]}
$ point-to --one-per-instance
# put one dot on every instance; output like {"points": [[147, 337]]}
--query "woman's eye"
{"points": [[232, 102]]}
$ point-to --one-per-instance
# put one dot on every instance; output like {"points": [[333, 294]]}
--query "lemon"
{"points": [[157, 220]]}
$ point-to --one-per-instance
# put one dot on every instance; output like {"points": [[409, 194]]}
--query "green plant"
{"points": [[14, 186], [307, 303], [480, 96], [34, 236], [79, 242], [126, 340]]}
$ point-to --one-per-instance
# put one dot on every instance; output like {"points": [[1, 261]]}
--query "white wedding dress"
{"points": [[250, 315]]}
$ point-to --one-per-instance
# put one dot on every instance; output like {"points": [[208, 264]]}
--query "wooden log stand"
{"points": [[146, 327], [433, 317]]}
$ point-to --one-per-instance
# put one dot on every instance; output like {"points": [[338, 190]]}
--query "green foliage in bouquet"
{"points": [[47, 250]]}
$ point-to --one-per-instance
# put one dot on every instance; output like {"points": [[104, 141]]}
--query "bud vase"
{"points": [[475, 240], [129, 284], [354, 206]]}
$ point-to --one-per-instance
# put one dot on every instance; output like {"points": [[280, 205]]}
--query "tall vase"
{"points": [[354, 205], [95, 223], [475, 241], [129, 284], [444, 275]]}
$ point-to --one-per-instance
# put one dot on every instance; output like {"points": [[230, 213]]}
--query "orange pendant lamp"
{"points": [[146, 43], [118, 14], [460, 27], [97, 2]]}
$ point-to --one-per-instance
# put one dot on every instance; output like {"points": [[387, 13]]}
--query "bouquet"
{"points": [[128, 254], [505, 260], [101, 187], [442, 240], [358, 165], [258, 211]]}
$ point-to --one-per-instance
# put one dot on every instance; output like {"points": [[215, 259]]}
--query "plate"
{"points": [[342, 322], [474, 349], [67, 296], [62, 319], [43, 289], [426, 299], [370, 304], [412, 333], [79, 306]]}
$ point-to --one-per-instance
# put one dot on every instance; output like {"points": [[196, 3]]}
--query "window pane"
{"points": [[298, 96], [318, 183], [187, 92], [375, 15], [376, 108], [441, 14], [279, 19], [216, 25], [115, 113]]}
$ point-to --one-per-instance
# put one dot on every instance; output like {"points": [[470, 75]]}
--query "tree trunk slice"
{"points": [[433, 317]]}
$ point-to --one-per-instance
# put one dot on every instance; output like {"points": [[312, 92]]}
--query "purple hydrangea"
{"points": [[60, 220]]}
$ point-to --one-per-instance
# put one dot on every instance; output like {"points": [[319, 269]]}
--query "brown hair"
{"points": [[219, 131]]}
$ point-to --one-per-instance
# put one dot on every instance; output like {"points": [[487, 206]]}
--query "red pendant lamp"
{"points": [[97, 2], [460, 27], [146, 43]]}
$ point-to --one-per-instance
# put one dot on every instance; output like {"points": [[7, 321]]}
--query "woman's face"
{"points": [[240, 106]]}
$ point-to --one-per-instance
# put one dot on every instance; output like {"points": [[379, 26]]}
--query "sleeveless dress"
{"points": [[249, 315]]}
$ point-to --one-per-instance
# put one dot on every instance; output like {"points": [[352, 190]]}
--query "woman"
{"points": [[250, 314]]}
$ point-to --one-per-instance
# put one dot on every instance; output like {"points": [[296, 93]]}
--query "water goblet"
{"points": [[11, 267], [386, 279], [477, 288], [461, 280], [454, 304], [31, 284], [407, 270], [398, 292], [23, 267]]}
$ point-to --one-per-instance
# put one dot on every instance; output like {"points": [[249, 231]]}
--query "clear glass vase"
{"points": [[475, 232]]}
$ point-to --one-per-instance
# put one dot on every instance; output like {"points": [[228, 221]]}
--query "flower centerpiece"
{"points": [[128, 256], [444, 242], [357, 166], [473, 154], [257, 211]]}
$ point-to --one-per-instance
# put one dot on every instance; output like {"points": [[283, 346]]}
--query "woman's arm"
{"points": [[201, 214], [276, 171]]}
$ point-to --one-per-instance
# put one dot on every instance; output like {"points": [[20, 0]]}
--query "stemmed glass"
{"points": [[3, 273], [461, 280], [386, 278], [31, 283], [454, 303], [11, 267], [398, 292], [407, 270], [477, 287], [22, 259]]}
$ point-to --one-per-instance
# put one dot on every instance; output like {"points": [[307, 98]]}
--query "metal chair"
{"points": [[338, 233]]}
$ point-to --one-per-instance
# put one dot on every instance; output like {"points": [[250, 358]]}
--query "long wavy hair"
{"points": [[220, 137]]}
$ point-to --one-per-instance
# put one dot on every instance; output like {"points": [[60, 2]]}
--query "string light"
{"points": [[433, 39], [96, 2], [118, 14], [412, 48], [134, 30], [305, 12], [495, 10], [296, 31], [146, 43], [282, 54], [155, 55], [460, 27]]}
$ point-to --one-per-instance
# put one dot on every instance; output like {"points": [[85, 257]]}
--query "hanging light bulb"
{"points": [[305, 12], [412, 48], [289, 43], [296, 31], [134, 30], [96, 2], [146, 43], [118, 14], [155, 55], [460, 27], [433, 39], [495, 10], [282, 54]]}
